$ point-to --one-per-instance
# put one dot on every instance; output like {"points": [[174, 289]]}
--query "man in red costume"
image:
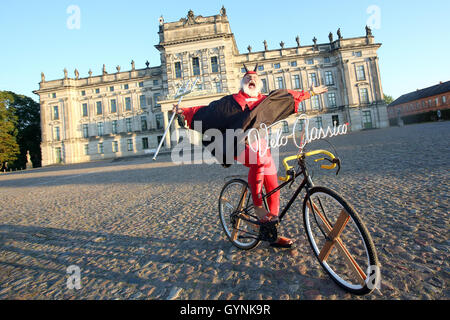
{"points": [[246, 110]]}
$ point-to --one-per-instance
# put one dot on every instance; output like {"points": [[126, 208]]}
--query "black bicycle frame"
{"points": [[306, 183]]}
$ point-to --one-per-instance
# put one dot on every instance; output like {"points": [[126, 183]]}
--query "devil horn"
{"points": [[245, 67], [256, 68]]}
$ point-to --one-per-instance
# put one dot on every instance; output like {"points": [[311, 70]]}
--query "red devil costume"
{"points": [[240, 111]]}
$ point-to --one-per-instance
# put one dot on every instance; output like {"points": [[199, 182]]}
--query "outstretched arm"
{"points": [[300, 96]]}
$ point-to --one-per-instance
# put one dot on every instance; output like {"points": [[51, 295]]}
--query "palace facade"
{"points": [[125, 113]]}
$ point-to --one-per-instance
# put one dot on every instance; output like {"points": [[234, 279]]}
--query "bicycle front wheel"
{"points": [[234, 198], [340, 241]]}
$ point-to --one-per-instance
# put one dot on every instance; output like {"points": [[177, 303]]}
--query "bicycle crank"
{"points": [[268, 231]]}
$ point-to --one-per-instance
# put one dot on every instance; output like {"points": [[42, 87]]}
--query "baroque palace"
{"points": [[125, 113]]}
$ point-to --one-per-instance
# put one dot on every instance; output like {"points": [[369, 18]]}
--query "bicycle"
{"points": [[330, 222]]}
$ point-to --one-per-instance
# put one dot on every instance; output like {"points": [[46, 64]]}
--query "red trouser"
{"points": [[262, 172]]}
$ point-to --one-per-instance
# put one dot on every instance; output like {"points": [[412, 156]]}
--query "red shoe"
{"points": [[282, 242]]}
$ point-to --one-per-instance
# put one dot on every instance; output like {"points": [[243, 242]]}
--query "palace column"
{"points": [[166, 123]]}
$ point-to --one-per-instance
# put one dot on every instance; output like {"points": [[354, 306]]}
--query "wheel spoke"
{"points": [[333, 235], [234, 233], [340, 224]]}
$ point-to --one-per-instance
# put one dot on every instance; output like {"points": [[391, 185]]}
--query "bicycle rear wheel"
{"points": [[234, 198], [340, 241]]}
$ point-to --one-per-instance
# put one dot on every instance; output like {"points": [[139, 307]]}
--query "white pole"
{"points": [[181, 92]]}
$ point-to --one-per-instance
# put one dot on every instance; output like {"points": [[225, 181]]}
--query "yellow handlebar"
{"points": [[307, 154]]}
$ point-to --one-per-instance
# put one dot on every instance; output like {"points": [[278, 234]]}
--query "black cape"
{"points": [[226, 113]]}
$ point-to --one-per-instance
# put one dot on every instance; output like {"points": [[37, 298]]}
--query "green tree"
{"points": [[9, 149], [28, 126], [388, 99]]}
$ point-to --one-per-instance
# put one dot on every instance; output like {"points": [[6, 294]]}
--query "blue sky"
{"points": [[35, 38]]}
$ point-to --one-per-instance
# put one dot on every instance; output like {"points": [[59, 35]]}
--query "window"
{"points": [[155, 82], [141, 84], [319, 122], [277, 66], [293, 63], [128, 124], [335, 120], [196, 66], [115, 146], [300, 124], [315, 103], [156, 98], [331, 100], [83, 93], [357, 54], [113, 105], [125, 86], [261, 68], [214, 64], [53, 95], [99, 107], [280, 83], [218, 87], [312, 80], [129, 144], [329, 81], [178, 69], [143, 123], [309, 61], [199, 87], [437, 102], [264, 86], [85, 131], [100, 148], [364, 95], [111, 89], [97, 90], [86, 149], [85, 109], [360, 74], [159, 139], [159, 121], [144, 143], [55, 113], [243, 70], [301, 107], [57, 134], [444, 100], [296, 80], [142, 101], [285, 127], [127, 103], [114, 127], [326, 60], [100, 128]]}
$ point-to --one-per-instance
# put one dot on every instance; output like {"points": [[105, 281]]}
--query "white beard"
{"points": [[251, 92]]}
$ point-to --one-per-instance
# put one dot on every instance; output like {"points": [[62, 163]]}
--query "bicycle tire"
{"points": [[343, 261], [230, 222]]}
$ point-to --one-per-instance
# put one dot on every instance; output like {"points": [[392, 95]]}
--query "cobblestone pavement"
{"points": [[150, 230]]}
